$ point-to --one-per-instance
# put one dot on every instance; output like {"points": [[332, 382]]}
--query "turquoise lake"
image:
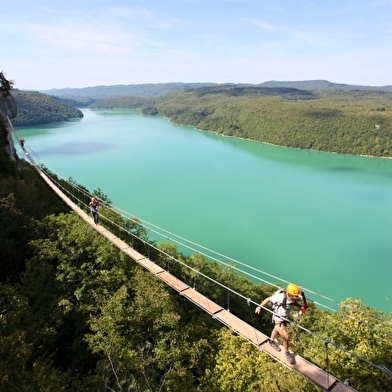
{"points": [[321, 220]]}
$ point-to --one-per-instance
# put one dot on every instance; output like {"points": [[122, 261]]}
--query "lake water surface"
{"points": [[321, 220]]}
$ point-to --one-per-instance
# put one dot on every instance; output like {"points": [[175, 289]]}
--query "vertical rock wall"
{"points": [[8, 109]]}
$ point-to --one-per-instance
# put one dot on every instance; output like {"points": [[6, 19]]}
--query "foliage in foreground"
{"points": [[86, 318]]}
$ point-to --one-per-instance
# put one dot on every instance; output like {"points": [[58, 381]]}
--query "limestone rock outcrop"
{"points": [[8, 110]]}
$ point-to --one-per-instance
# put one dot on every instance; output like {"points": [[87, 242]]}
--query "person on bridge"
{"points": [[94, 204], [282, 302]]}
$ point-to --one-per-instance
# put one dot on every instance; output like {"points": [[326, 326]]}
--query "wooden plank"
{"points": [[133, 254], [108, 234], [99, 228], [242, 328], [120, 243], [201, 301], [314, 373], [340, 387], [172, 281], [152, 267]]}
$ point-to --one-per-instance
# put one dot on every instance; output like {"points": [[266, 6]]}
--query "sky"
{"points": [[49, 44]]}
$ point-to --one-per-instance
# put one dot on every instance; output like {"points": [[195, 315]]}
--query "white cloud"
{"points": [[264, 25], [152, 41]]}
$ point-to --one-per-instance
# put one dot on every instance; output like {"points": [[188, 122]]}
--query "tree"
{"points": [[239, 366], [141, 341], [5, 85], [19, 364], [13, 238]]}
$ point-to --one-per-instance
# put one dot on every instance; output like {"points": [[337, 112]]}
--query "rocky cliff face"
{"points": [[8, 109]]}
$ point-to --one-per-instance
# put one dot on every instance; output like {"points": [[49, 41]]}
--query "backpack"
{"points": [[277, 305], [281, 303]]}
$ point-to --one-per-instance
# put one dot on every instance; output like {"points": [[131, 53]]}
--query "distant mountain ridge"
{"points": [[155, 90], [139, 90], [323, 85]]}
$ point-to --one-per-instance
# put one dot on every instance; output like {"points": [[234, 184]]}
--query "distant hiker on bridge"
{"points": [[94, 204], [282, 302], [22, 142]]}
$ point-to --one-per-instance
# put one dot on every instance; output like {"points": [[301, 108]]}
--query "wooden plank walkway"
{"points": [[313, 373]]}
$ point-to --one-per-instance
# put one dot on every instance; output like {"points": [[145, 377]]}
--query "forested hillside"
{"points": [[356, 122], [346, 122], [128, 102], [78, 315], [323, 85], [35, 108]]}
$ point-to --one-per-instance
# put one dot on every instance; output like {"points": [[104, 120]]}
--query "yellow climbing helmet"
{"points": [[293, 290], [93, 199]]}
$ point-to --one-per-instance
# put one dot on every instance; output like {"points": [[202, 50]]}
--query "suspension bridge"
{"points": [[314, 374]]}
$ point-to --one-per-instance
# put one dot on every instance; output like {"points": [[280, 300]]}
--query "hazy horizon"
{"points": [[239, 83]]}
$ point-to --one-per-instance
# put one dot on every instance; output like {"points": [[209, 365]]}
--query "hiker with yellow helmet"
{"points": [[94, 204], [282, 302]]}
